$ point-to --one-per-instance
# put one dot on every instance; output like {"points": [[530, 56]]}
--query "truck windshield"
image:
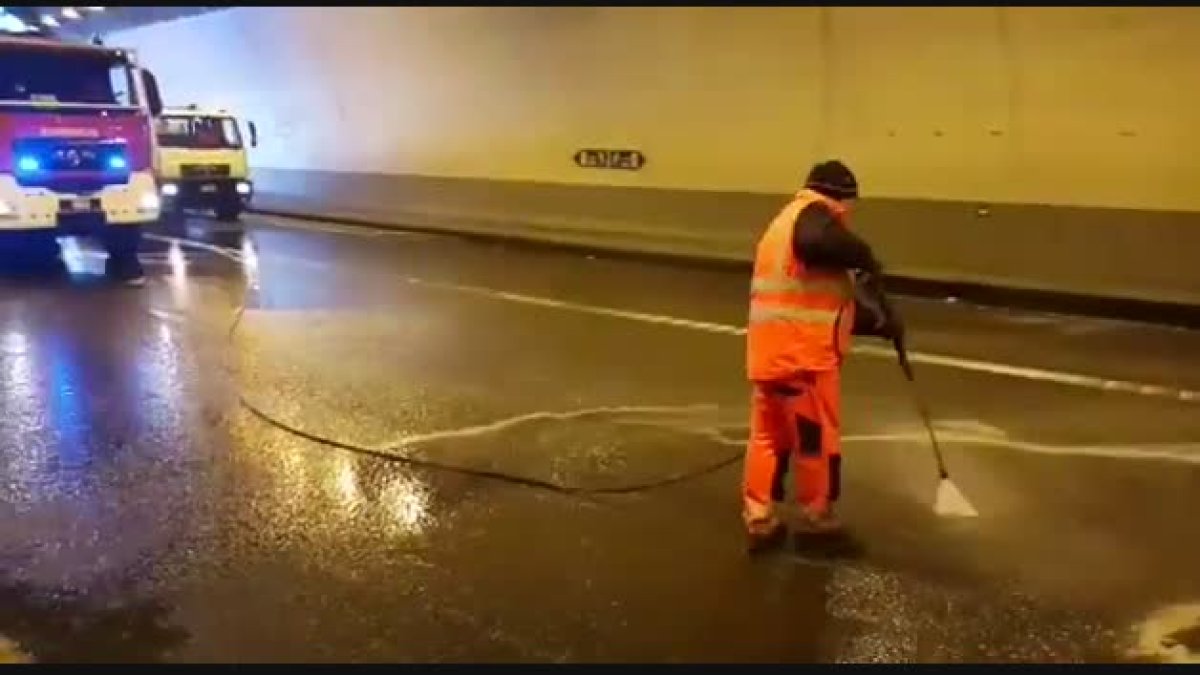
{"points": [[197, 131], [57, 76]]}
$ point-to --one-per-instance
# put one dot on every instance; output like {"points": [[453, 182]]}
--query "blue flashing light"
{"points": [[28, 164], [10, 23], [117, 163]]}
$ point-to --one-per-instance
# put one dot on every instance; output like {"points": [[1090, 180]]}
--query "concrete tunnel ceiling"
{"points": [[81, 23]]}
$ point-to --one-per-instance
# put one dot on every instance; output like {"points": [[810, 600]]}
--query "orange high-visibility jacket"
{"points": [[799, 319]]}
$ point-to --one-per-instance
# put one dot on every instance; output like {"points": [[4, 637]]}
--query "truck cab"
{"points": [[201, 163], [75, 147]]}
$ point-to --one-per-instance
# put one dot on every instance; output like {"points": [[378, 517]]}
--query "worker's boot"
{"points": [[819, 521], [764, 534]]}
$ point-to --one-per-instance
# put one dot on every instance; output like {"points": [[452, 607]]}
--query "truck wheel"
{"points": [[172, 215], [122, 244], [228, 213]]}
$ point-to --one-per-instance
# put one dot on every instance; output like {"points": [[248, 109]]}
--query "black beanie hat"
{"points": [[832, 179]]}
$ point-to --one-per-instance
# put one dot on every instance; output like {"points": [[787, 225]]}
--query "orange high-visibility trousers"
{"points": [[795, 420]]}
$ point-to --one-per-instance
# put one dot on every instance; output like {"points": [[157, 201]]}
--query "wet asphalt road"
{"points": [[147, 515]]}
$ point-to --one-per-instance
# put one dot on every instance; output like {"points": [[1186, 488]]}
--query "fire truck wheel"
{"points": [[122, 244]]}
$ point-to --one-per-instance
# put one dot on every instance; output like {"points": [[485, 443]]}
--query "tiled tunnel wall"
{"points": [[1045, 148]]}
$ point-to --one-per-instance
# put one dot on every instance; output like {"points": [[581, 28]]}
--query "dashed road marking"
{"points": [[973, 365], [973, 427]]}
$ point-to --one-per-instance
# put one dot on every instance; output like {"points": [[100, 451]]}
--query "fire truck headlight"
{"points": [[170, 189], [243, 188], [149, 202]]}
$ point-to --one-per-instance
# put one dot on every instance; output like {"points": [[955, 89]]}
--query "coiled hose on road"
{"points": [[391, 454]]}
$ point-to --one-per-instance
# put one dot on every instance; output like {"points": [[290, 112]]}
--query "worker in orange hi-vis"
{"points": [[815, 284]]}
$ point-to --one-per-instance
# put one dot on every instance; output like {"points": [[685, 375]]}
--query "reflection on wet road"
{"points": [[149, 516]]}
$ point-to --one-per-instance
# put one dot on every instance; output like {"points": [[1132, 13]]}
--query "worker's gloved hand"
{"points": [[893, 325], [875, 315], [869, 319]]}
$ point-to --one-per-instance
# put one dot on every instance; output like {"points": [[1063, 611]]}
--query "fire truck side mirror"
{"points": [[253, 133], [153, 97]]}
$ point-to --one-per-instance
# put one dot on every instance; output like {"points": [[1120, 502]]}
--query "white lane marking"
{"points": [[330, 228], [1187, 453], [1153, 635], [1038, 374], [972, 427], [974, 365], [1184, 453], [567, 305], [988, 367]]}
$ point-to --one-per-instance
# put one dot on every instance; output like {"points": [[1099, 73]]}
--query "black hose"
{"points": [[390, 454], [514, 479]]}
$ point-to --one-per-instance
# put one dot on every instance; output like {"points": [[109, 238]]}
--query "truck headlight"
{"points": [[170, 189], [149, 202], [243, 188]]}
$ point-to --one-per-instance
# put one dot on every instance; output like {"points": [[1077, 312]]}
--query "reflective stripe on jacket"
{"points": [[799, 319]]}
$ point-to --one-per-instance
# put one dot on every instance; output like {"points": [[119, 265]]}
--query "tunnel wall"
{"points": [[1046, 148]]}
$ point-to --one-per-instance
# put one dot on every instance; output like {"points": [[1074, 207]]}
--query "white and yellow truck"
{"points": [[200, 162]]}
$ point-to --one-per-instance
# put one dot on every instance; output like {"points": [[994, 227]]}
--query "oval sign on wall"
{"points": [[627, 160]]}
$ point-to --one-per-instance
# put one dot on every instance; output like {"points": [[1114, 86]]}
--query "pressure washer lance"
{"points": [[949, 500]]}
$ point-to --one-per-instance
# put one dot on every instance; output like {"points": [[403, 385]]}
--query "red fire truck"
{"points": [[76, 147]]}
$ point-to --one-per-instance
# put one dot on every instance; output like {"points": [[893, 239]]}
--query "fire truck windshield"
{"points": [[197, 132], [40, 75]]}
